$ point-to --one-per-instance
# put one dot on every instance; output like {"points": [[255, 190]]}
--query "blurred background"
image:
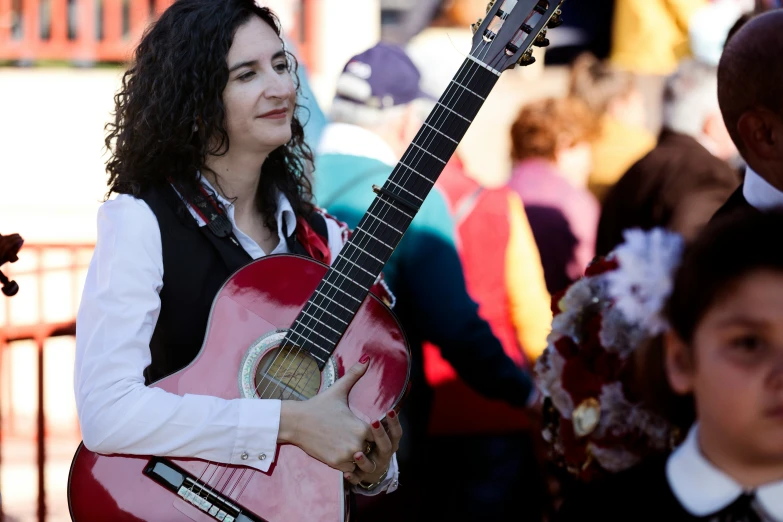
{"points": [[61, 62]]}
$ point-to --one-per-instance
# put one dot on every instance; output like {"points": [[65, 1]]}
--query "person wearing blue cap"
{"points": [[378, 108]]}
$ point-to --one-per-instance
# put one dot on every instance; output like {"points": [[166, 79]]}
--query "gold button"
{"points": [[262, 456], [244, 456]]}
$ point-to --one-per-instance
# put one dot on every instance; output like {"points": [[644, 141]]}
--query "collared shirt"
{"points": [[703, 489], [352, 140], [760, 193], [117, 316]]}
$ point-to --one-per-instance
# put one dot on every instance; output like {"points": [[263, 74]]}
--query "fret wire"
{"points": [[307, 340], [305, 312], [319, 292], [432, 144], [454, 112], [416, 171], [326, 280], [351, 279], [428, 152], [313, 303], [451, 123], [363, 288], [343, 258], [403, 188], [369, 213], [369, 254], [395, 208], [391, 248], [442, 134], [300, 323]]}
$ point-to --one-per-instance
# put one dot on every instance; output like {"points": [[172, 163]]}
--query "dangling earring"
{"points": [[195, 128]]}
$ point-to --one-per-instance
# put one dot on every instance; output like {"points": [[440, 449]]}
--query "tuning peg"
{"points": [[541, 40], [490, 5], [527, 58], [556, 20], [475, 27]]}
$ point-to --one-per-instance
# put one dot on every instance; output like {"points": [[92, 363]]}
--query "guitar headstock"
{"points": [[511, 29]]}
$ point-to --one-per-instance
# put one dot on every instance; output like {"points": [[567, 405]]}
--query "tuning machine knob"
{"points": [[490, 5], [541, 40], [475, 27], [527, 58], [556, 20]]}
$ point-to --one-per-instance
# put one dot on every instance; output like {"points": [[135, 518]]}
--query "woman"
{"points": [[206, 116], [552, 159]]}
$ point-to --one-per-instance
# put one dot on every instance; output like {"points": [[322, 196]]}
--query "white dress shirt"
{"points": [[117, 316], [760, 193], [703, 489]]}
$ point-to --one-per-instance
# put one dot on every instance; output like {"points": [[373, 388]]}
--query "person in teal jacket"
{"points": [[377, 110]]}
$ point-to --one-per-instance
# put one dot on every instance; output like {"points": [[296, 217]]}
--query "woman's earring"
{"points": [[195, 128]]}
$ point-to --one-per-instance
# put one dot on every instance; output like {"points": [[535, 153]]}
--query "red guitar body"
{"points": [[264, 297]]}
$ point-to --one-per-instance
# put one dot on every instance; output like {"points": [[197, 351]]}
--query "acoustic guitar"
{"points": [[287, 327]]}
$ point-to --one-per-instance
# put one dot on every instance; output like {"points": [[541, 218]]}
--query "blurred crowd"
{"points": [[637, 141]]}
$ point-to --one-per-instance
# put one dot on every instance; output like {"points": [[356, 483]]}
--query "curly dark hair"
{"points": [[176, 81]]}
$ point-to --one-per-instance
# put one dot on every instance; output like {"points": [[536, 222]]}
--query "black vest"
{"points": [[196, 263]]}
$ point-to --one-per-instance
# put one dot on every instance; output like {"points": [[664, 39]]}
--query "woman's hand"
{"points": [[371, 468], [325, 427]]}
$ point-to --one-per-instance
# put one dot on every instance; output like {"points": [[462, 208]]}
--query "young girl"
{"points": [[722, 352], [206, 113]]}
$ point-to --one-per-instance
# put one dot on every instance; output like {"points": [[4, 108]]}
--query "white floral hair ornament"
{"points": [[595, 422], [644, 280]]}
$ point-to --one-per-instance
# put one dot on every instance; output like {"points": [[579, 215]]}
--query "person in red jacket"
{"points": [[503, 274]]}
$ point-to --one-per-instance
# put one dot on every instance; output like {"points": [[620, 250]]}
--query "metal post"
{"points": [[41, 436]]}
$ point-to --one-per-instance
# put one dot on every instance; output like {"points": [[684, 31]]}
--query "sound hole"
{"points": [[287, 373]]}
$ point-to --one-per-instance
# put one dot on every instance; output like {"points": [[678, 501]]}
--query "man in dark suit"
{"points": [[682, 182], [750, 93]]}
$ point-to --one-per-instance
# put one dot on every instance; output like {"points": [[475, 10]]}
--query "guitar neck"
{"points": [[332, 306]]}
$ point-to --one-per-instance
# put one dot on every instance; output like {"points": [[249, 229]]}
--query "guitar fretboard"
{"points": [[332, 306]]}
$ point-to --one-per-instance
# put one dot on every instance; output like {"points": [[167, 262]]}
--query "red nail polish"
{"points": [[364, 359], [391, 414], [360, 457], [376, 424]]}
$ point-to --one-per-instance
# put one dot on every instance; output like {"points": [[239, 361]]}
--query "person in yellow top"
{"points": [[651, 36], [623, 138]]}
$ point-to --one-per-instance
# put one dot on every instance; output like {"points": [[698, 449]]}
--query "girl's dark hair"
{"points": [[175, 85], [727, 250]]}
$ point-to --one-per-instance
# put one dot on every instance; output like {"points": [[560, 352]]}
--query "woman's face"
{"points": [[734, 368], [260, 96]]}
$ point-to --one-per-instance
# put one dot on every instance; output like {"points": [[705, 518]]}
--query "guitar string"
{"points": [[428, 137], [499, 57], [321, 315], [201, 484], [318, 319], [431, 135]]}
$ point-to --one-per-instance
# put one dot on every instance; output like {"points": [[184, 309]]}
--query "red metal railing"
{"points": [[90, 31], [69, 30], [38, 329]]}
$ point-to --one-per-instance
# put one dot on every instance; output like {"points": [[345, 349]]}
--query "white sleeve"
{"points": [[389, 484], [118, 312]]}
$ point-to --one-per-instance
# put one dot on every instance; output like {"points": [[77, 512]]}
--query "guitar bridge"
{"points": [[195, 492]]}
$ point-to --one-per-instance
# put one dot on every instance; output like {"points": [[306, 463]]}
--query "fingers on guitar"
{"points": [[394, 430]]}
